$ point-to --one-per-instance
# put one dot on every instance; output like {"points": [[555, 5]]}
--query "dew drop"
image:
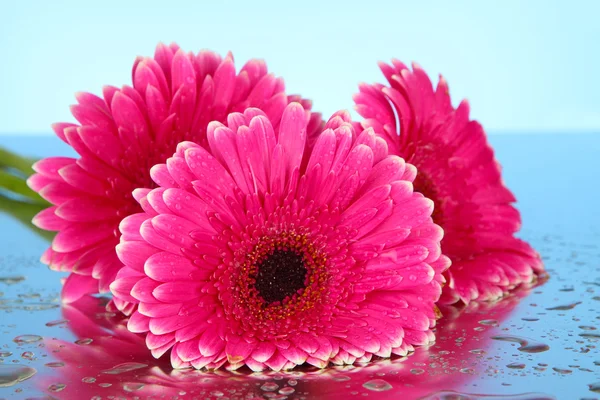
{"points": [[28, 355], [56, 387], [562, 371], [105, 385], [489, 322], [564, 307], [12, 374], [287, 390], [292, 382], [527, 345], [516, 365], [467, 371], [594, 387], [269, 387], [217, 393], [377, 385], [57, 322], [84, 342], [341, 378], [11, 280], [132, 387], [5, 354], [417, 371], [27, 339], [122, 368], [55, 364], [88, 379]]}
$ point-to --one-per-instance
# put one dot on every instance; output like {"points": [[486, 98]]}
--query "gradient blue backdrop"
{"points": [[524, 65]]}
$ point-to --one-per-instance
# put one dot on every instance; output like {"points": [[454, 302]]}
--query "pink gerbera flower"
{"points": [[458, 171], [174, 96], [255, 252]]}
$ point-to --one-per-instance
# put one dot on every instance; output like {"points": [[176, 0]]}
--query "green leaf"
{"points": [[18, 186], [24, 212], [22, 164]]}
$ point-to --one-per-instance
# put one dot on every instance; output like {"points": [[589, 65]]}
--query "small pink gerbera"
{"points": [[458, 171], [254, 252], [174, 96]]}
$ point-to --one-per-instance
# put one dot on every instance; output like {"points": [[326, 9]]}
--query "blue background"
{"points": [[524, 65]]}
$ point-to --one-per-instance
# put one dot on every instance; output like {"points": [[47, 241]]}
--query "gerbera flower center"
{"points": [[281, 274]]}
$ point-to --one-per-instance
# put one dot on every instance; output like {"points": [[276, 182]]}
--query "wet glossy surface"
{"points": [[540, 343]]}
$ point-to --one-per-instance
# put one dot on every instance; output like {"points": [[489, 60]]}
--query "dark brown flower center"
{"points": [[280, 274]]}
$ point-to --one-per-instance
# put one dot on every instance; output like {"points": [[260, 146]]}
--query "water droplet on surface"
{"points": [[84, 342], [5, 354], [217, 393], [55, 364], [88, 379], [594, 387], [57, 322], [489, 322], [12, 374], [341, 378], [132, 387], [417, 371], [527, 345], [11, 280], [28, 355], [516, 365], [125, 367], [562, 370], [377, 385], [269, 387], [590, 335], [292, 382], [564, 307], [467, 371], [287, 390], [56, 387], [27, 339]]}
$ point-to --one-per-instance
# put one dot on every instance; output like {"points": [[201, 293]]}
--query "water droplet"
{"points": [[564, 307], [467, 371], [341, 378], [88, 379], [516, 365], [489, 322], [55, 364], [292, 382], [132, 387], [27, 339], [57, 322], [28, 355], [477, 351], [377, 385], [527, 345], [105, 385], [590, 335], [217, 393], [417, 371], [594, 387], [587, 328], [84, 342], [125, 367], [5, 354], [562, 370], [57, 387], [287, 390], [12, 374], [269, 387], [528, 319], [11, 280]]}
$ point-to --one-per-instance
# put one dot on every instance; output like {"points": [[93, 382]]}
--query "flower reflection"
{"points": [[117, 363]]}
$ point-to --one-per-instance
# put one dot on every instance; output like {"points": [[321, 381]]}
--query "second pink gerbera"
{"points": [[458, 171], [256, 252], [120, 136]]}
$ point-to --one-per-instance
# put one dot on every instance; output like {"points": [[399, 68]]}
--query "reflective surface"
{"points": [[539, 343]]}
